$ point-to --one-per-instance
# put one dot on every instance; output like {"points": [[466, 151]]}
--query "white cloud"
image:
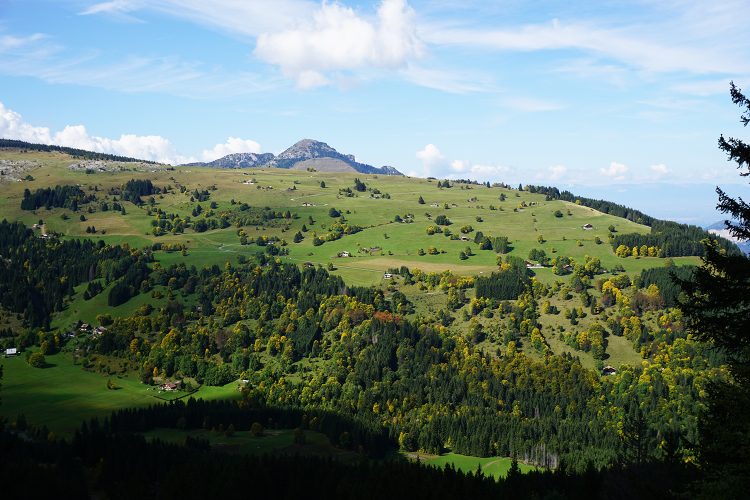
{"points": [[492, 173], [338, 39], [233, 145], [118, 9], [431, 158], [12, 126], [146, 147], [454, 82], [591, 68], [476, 171], [314, 41], [460, 165], [615, 170], [243, 18], [10, 42], [39, 57], [659, 169], [149, 147], [310, 79], [237, 17], [556, 172], [636, 46]]}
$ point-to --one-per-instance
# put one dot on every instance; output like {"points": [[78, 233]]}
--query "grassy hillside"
{"points": [[390, 216], [62, 395], [395, 244]]}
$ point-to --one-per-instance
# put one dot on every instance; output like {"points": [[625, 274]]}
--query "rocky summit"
{"points": [[304, 154]]}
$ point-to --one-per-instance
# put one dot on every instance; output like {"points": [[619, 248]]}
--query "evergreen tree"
{"points": [[718, 309]]}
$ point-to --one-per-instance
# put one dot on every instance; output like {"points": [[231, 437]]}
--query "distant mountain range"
{"points": [[305, 154], [719, 229]]}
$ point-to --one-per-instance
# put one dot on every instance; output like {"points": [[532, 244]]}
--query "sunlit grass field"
{"points": [[496, 467], [62, 395]]}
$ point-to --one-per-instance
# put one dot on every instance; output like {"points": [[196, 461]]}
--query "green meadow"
{"points": [[496, 467], [62, 395]]}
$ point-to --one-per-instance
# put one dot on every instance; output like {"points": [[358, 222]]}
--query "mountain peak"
{"points": [[310, 148], [306, 153]]}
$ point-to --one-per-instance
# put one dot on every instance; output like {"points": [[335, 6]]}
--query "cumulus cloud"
{"points": [[233, 145], [12, 126], [482, 172], [460, 165], [148, 147], [616, 171], [435, 164], [478, 171], [338, 39], [659, 169], [431, 159]]}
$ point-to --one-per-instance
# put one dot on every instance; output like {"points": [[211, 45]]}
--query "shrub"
{"points": [[37, 360], [442, 220]]}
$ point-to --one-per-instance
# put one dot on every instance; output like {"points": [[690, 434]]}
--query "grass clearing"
{"points": [[62, 395], [496, 467]]}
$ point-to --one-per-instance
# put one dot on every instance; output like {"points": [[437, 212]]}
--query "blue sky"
{"points": [[599, 97]]}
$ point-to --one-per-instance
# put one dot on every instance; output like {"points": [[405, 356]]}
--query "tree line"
{"points": [[40, 274], [673, 238], [78, 153], [67, 196]]}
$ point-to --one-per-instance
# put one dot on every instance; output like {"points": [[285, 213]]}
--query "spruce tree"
{"points": [[717, 307]]}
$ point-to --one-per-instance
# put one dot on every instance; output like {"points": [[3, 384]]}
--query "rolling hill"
{"points": [[381, 297]]}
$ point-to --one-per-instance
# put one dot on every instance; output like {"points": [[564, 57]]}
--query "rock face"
{"points": [[306, 153], [241, 160], [307, 149]]}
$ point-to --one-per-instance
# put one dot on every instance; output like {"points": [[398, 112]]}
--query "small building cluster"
{"points": [[171, 386], [95, 332]]}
